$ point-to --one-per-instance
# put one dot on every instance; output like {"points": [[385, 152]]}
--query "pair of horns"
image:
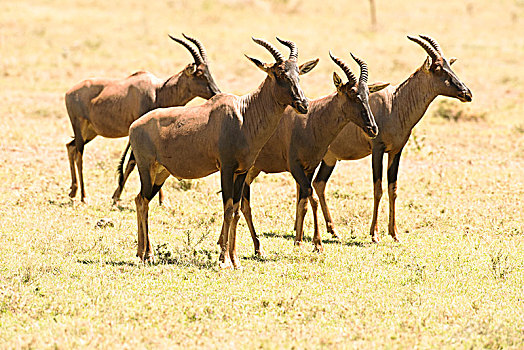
{"points": [[293, 55], [199, 56], [433, 49], [351, 77]]}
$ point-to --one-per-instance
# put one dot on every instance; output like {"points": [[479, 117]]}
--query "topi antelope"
{"points": [[301, 141], [224, 134], [108, 107], [397, 110]]}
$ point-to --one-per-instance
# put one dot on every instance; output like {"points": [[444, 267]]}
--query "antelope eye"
{"points": [[198, 73]]}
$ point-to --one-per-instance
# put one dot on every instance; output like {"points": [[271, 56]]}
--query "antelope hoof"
{"points": [[334, 235], [116, 198], [224, 262], [224, 265], [145, 257], [149, 259], [260, 254], [298, 244], [393, 233], [374, 238], [236, 263], [72, 193], [318, 248]]}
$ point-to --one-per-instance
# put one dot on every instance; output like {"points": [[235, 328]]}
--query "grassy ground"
{"points": [[455, 280]]}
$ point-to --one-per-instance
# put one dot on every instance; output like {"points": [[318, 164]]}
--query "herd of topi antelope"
{"points": [[272, 129]]}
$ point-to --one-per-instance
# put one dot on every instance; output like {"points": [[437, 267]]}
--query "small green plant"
{"points": [[418, 142], [185, 185], [187, 255], [416, 273], [499, 265]]}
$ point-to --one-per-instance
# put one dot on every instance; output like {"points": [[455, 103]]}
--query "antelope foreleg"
{"points": [[246, 210], [238, 186], [393, 165], [377, 155], [226, 179], [301, 214], [317, 239], [319, 184]]}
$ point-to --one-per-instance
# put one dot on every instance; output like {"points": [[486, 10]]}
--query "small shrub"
{"points": [[452, 110]]}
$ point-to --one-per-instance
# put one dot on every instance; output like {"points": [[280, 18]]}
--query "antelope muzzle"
{"points": [[372, 131], [300, 106], [465, 96]]}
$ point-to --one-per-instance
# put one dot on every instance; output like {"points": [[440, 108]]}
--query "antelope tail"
{"points": [[120, 168]]}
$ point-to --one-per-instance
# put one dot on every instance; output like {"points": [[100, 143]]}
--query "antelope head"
{"points": [[285, 74], [356, 94], [199, 80], [445, 80]]}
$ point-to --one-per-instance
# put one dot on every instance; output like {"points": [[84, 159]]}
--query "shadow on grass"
{"points": [[62, 204], [291, 236], [110, 263], [263, 259], [273, 234], [356, 243], [123, 208]]}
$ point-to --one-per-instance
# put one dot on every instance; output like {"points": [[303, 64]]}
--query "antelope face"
{"points": [[355, 93], [445, 80], [357, 106], [449, 84], [284, 73], [288, 90], [200, 81]]}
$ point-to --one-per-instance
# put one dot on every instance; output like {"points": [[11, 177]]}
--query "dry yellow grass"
{"points": [[454, 281]]}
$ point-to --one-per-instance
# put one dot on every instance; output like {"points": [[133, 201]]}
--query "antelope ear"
{"points": [[452, 60], [427, 64], [190, 69], [306, 67], [337, 81], [258, 63], [376, 87]]}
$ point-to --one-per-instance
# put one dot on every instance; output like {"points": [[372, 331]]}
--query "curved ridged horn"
{"points": [[351, 77], [363, 69], [433, 43], [273, 50], [429, 49], [199, 45], [293, 55], [196, 56]]}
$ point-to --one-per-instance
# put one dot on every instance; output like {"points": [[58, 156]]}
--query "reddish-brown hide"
{"points": [[224, 134], [397, 109], [301, 141], [107, 107]]}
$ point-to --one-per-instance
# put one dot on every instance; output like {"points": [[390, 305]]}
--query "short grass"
{"points": [[70, 279]]}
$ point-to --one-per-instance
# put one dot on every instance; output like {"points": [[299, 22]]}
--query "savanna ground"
{"points": [[455, 280]]}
